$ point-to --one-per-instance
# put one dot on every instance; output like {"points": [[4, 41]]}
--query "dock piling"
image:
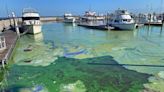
{"points": [[162, 24], [16, 24]]}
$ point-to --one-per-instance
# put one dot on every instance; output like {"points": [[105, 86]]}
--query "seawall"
{"points": [[7, 22]]}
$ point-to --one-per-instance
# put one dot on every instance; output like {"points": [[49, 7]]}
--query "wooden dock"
{"points": [[11, 39]]}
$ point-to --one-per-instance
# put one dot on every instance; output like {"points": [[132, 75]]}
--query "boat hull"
{"points": [[154, 23], [70, 20], [32, 29], [100, 27], [124, 26]]}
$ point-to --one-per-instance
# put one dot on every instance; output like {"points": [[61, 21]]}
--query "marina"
{"points": [[70, 49], [103, 49], [92, 48]]}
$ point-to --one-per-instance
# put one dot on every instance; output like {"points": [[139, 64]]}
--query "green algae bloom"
{"points": [[63, 59]]}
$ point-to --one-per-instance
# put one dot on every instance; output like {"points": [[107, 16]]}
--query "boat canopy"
{"points": [[29, 12]]}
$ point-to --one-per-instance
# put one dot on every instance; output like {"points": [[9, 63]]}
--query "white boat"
{"points": [[68, 18], [31, 21], [151, 19], [122, 20], [92, 16]]}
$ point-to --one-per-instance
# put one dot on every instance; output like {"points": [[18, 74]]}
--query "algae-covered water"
{"points": [[69, 58]]}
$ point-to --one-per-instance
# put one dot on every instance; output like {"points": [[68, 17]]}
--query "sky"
{"points": [[78, 7]]}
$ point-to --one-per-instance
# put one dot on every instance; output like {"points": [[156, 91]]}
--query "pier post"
{"points": [[107, 19], [161, 30], [150, 16], [162, 15], [16, 24], [10, 20], [3, 64], [162, 19]]}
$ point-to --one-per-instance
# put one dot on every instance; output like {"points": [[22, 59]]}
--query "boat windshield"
{"points": [[30, 18], [126, 20]]}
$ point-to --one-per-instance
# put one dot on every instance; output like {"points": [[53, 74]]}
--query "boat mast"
{"points": [[8, 15], [162, 14]]}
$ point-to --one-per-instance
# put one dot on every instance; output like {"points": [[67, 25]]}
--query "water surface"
{"points": [[63, 56]]}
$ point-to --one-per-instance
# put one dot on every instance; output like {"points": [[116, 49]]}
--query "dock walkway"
{"points": [[11, 39]]}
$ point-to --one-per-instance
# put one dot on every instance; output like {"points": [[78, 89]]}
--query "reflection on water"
{"points": [[37, 37], [143, 46], [68, 27]]}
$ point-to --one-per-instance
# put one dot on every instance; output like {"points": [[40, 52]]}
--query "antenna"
{"points": [[7, 10], [90, 7], [162, 15], [151, 7]]}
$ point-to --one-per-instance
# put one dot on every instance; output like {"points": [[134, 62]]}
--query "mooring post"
{"points": [[162, 19], [162, 16], [150, 19], [10, 20]]}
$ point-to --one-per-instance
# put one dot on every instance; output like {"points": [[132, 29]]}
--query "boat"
{"points": [[31, 21], [92, 16], [122, 20], [93, 21], [88, 16], [150, 19], [93, 25], [68, 18]]}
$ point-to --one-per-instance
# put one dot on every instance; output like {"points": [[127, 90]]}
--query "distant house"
{"points": [[2, 43]]}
